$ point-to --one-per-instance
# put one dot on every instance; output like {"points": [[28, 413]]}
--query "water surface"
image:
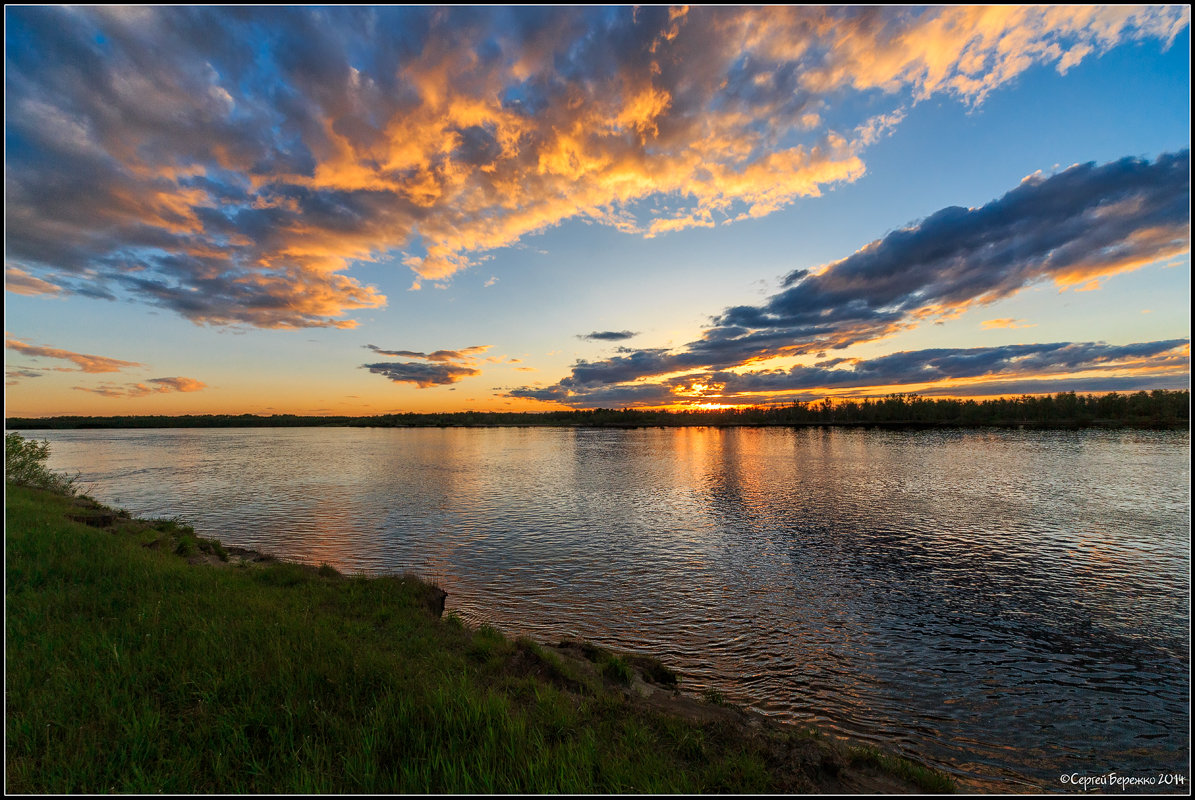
{"points": [[1008, 605]]}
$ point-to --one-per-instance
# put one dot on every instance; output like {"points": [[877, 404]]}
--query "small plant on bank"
{"points": [[187, 545], [714, 696], [617, 670], [24, 463], [173, 525], [654, 670]]}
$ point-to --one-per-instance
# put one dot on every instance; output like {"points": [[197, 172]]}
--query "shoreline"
{"points": [[28, 424], [798, 759], [655, 684]]}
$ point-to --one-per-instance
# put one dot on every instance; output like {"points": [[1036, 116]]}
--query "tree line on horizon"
{"points": [[1160, 408]]}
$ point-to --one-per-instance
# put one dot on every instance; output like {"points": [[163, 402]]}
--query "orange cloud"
{"points": [[18, 281], [971, 50], [159, 386], [85, 362], [1007, 322], [178, 384], [243, 192]]}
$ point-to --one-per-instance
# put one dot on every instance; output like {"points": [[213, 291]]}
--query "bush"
{"points": [[24, 463], [617, 670]]}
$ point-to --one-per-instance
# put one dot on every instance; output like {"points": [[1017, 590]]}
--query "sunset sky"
{"points": [[370, 210]]}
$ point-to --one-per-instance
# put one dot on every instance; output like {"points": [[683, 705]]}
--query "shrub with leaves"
{"points": [[24, 463]]}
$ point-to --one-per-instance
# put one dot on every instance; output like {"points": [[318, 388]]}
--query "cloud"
{"points": [[958, 364], [178, 384], [466, 354], [85, 362], [492, 280], [1006, 322], [152, 386], [1083, 224], [608, 336], [444, 367], [94, 364], [423, 375], [1102, 383], [18, 281], [623, 395], [14, 376], [956, 371], [233, 165]]}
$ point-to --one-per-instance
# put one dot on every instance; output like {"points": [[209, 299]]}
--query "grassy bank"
{"points": [[143, 659]]}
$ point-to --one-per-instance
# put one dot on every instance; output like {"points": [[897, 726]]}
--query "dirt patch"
{"points": [[94, 520], [528, 661], [238, 555], [94, 514]]}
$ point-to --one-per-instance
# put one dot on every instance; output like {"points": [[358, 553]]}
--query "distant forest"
{"points": [[1158, 409]]}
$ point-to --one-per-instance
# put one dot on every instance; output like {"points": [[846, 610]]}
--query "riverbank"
{"points": [[141, 658]]}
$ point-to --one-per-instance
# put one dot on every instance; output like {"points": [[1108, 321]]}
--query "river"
{"points": [[1010, 606]]}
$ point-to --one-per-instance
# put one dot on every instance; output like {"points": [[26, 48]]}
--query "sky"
{"points": [[356, 211]]}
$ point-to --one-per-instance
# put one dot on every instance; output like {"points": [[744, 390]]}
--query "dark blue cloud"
{"points": [[464, 354], [942, 364], [446, 366], [1084, 223], [1004, 369], [608, 336], [607, 396], [422, 375]]}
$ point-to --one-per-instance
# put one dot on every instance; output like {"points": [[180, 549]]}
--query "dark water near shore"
{"points": [[1008, 605]]}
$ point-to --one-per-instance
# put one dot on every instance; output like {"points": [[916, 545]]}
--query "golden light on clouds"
{"points": [[1006, 322], [242, 191], [152, 386], [290, 168], [84, 361]]}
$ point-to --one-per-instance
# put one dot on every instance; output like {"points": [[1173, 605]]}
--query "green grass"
{"points": [[714, 696], [131, 670], [930, 780]]}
